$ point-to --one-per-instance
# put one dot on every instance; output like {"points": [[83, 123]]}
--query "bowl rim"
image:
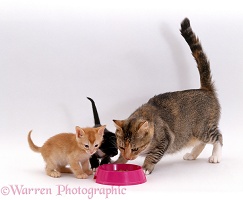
{"points": [[118, 165], [102, 170]]}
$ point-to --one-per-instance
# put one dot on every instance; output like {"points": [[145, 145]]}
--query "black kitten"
{"points": [[108, 147]]}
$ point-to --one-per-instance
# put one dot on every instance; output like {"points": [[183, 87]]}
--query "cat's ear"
{"points": [[118, 124], [79, 132], [101, 130], [143, 126]]}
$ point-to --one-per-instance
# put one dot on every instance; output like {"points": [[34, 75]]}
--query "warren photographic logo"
{"points": [[62, 190]]}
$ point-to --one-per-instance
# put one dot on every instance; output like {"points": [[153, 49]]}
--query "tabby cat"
{"points": [[70, 149], [108, 147], [171, 121]]}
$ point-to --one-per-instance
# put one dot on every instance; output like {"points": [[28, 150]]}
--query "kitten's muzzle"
{"points": [[91, 152]]}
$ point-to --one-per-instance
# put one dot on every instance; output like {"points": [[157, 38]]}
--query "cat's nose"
{"points": [[127, 158], [92, 152]]}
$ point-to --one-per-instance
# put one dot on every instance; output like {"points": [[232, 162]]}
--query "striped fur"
{"points": [[172, 121], [198, 54]]}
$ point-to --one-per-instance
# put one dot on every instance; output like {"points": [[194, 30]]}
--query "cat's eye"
{"points": [[96, 145], [86, 146], [135, 149]]}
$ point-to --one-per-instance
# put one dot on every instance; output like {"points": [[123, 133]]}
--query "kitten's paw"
{"points": [[89, 172], [189, 156], [55, 174], [148, 168], [82, 176], [214, 159], [94, 169]]}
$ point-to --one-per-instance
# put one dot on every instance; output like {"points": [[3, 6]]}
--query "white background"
{"points": [[53, 54]]}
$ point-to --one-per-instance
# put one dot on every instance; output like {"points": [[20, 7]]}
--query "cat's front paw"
{"points": [[89, 172], [82, 176], [214, 159], [94, 169], [189, 156], [148, 168], [55, 174]]}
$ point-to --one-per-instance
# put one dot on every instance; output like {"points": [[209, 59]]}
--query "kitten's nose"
{"points": [[92, 152]]}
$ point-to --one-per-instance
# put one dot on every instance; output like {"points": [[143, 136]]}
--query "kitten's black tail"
{"points": [[96, 116], [200, 57], [32, 145]]}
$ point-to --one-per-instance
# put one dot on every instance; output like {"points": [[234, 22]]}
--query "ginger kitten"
{"points": [[70, 149], [171, 121]]}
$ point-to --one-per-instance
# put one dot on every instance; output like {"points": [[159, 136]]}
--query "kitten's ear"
{"points": [[118, 124], [143, 126], [101, 130], [79, 132]]}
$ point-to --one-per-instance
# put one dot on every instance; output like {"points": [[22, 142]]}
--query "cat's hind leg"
{"points": [[195, 151], [217, 140], [52, 170], [216, 154], [64, 169], [214, 137]]}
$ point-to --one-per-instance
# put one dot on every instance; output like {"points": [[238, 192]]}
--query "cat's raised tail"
{"points": [[95, 112], [199, 55], [32, 145]]}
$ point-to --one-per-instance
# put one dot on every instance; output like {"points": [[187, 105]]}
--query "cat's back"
{"points": [[187, 98], [60, 140], [187, 104], [58, 147]]}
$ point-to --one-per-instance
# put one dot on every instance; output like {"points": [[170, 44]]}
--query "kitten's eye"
{"points": [[86, 146], [122, 148], [96, 145], [135, 149]]}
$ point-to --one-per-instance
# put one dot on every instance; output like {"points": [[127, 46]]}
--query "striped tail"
{"points": [[200, 57]]}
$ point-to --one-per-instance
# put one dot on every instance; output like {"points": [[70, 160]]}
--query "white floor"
{"points": [[173, 177]]}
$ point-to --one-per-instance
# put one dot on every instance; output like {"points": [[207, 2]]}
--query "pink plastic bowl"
{"points": [[120, 174]]}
